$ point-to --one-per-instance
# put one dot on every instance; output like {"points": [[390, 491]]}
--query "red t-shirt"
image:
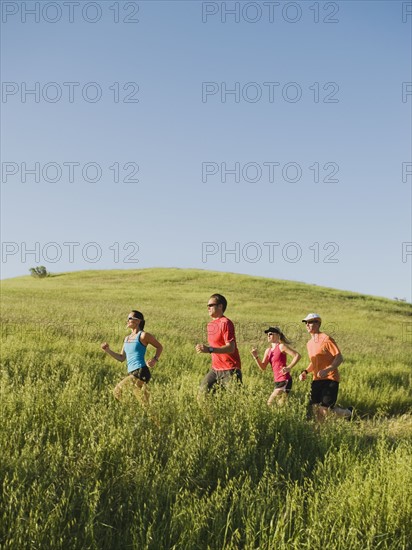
{"points": [[220, 332]]}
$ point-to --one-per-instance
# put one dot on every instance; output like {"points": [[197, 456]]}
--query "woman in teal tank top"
{"points": [[134, 351]]}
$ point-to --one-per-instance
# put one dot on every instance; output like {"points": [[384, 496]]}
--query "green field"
{"points": [[79, 470]]}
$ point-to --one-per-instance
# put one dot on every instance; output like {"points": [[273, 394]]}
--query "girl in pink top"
{"points": [[276, 356]]}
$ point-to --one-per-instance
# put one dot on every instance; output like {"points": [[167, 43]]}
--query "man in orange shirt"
{"points": [[325, 358], [222, 346]]}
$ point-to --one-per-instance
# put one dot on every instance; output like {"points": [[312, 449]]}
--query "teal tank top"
{"points": [[135, 352]]}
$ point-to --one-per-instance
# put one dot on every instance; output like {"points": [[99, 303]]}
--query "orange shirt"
{"points": [[322, 349]]}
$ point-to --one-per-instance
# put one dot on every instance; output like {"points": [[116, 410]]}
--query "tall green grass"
{"points": [[79, 470]]}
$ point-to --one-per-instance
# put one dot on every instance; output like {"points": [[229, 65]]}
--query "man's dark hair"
{"points": [[220, 300]]}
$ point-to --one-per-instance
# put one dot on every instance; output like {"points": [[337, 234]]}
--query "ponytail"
{"points": [[139, 315], [283, 338]]}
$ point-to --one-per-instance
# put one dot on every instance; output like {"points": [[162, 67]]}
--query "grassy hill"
{"points": [[79, 470]]}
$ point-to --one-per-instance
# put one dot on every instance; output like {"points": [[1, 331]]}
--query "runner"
{"points": [[325, 358], [276, 356], [222, 346], [134, 350]]}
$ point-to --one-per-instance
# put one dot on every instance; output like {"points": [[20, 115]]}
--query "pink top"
{"points": [[277, 359]]}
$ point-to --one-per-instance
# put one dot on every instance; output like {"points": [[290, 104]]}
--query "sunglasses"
{"points": [[212, 305], [133, 319]]}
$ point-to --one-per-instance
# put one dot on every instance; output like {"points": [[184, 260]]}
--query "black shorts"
{"points": [[142, 374], [285, 385], [220, 377], [324, 392]]}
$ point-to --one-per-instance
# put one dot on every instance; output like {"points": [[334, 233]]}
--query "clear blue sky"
{"points": [[266, 138]]}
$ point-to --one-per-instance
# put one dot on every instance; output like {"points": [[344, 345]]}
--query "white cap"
{"points": [[311, 317]]}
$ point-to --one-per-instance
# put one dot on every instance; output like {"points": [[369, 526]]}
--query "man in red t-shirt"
{"points": [[222, 346], [325, 358]]}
